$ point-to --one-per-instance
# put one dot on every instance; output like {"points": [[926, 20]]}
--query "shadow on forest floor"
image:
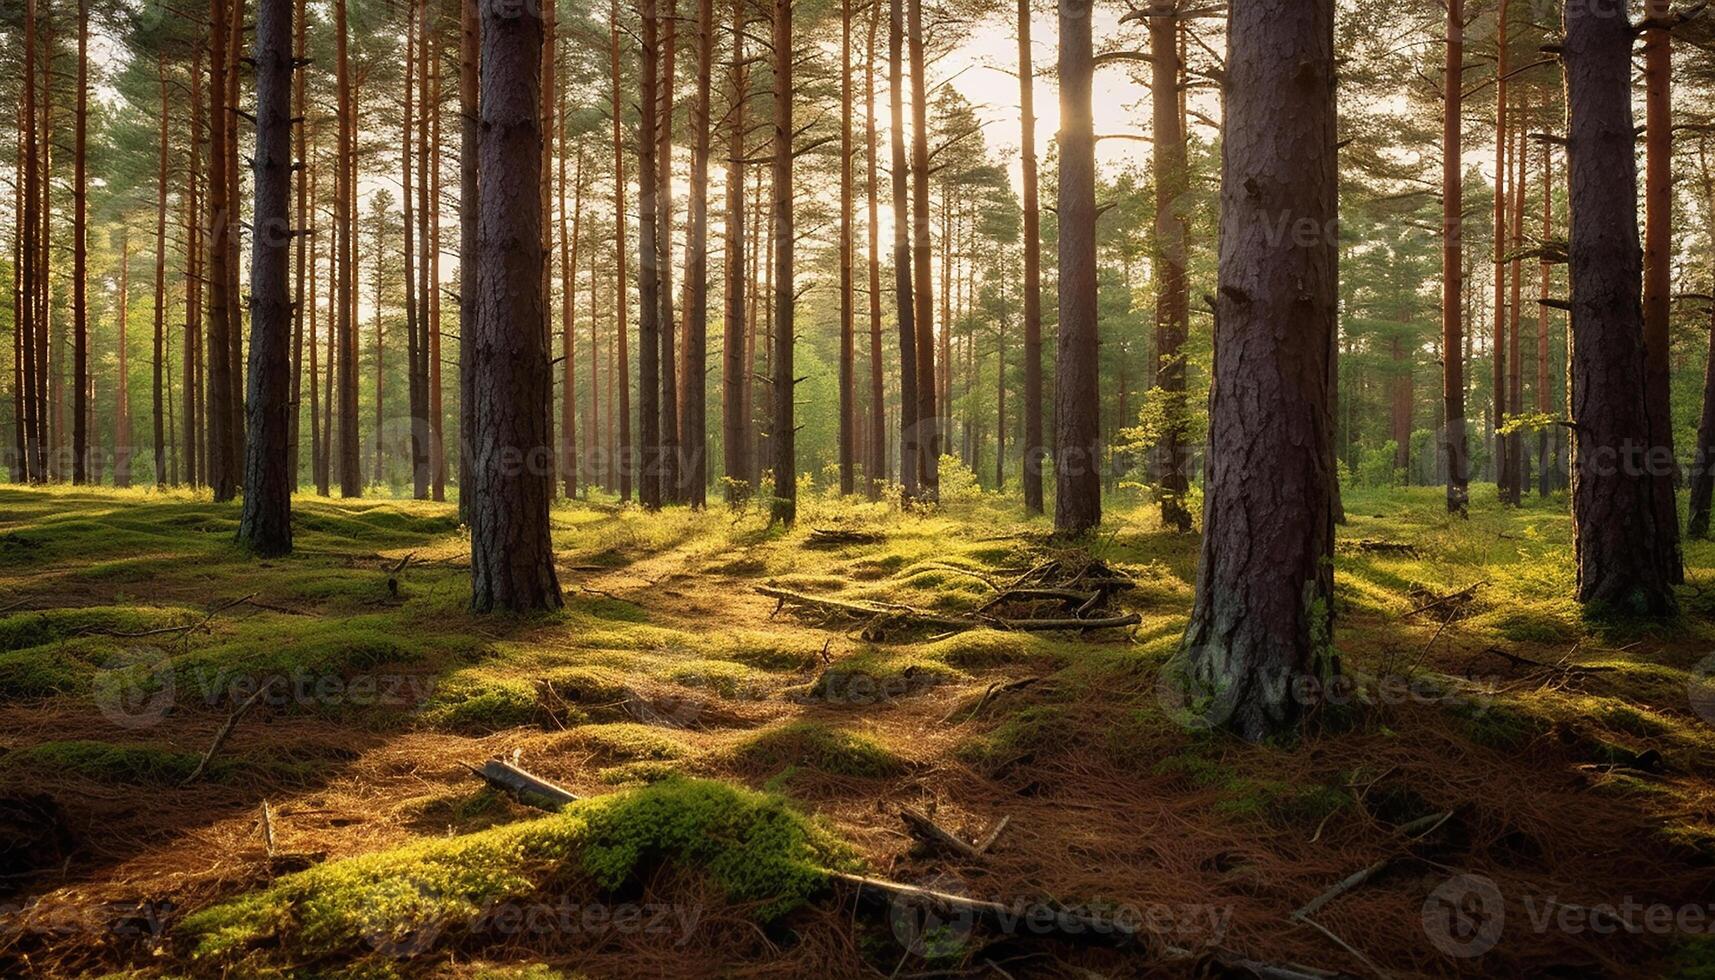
{"points": [[741, 745]]}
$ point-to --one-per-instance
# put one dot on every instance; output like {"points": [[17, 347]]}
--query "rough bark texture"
{"points": [[665, 326], [1262, 619], [1034, 451], [783, 437], [1452, 267], [470, 197], [847, 451], [922, 251], [648, 267], [624, 455], [265, 526], [1703, 464], [904, 307], [694, 401], [1618, 539], [80, 256], [1498, 374], [1077, 410], [1545, 281], [350, 466], [735, 371], [160, 337], [875, 461], [512, 559], [1658, 272], [221, 467]]}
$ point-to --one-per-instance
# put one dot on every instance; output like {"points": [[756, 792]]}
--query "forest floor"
{"points": [[736, 749]]}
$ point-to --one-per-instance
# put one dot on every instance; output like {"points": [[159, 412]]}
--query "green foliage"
{"points": [[808, 744]]}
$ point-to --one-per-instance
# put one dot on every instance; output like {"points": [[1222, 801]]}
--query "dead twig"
{"points": [[225, 732]]}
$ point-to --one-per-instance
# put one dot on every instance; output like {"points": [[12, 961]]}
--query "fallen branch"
{"points": [[932, 835], [835, 536], [225, 732], [526, 788], [1461, 597], [1043, 919], [993, 835], [1415, 830], [993, 689], [187, 628]]}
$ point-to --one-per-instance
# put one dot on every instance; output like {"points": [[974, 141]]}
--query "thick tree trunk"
{"points": [[665, 327], [265, 525], [1077, 411], [1658, 277], [1619, 540], [470, 206], [1260, 633], [512, 559], [922, 249], [1545, 281], [649, 265], [910, 431], [1172, 292], [122, 387], [1498, 373], [304, 241], [1034, 451], [546, 61], [694, 379], [783, 437], [350, 464], [625, 454], [80, 256], [1454, 437], [735, 369], [413, 307], [221, 468], [847, 345], [160, 335], [422, 468]]}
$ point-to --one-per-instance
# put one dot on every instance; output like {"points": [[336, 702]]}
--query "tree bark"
{"points": [[1452, 266], [1658, 275], [625, 455], [470, 207], [350, 464], [847, 344], [735, 369], [1545, 281], [664, 324], [1172, 296], [1077, 411], [783, 436], [1261, 625], [922, 249], [221, 467], [1498, 374], [437, 407], [910, 432], [80, 256], [122, 388], [512, 560], [303, 239], [1514, 490], [413, 311], [195, 460], [265, 525], [1619, 542], [648, 264], [160, 336], [1034, 451], [875, 464], [694, 380], [568, 309]]}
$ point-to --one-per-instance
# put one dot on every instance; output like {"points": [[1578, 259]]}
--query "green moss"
{"points": [[1037, 729], [1245, 796], [815, 746], [479, 702], [643, 771], [628, 741], [1498, 726], [753, 847], [30, 629], [109, 763], [1693, 958]]}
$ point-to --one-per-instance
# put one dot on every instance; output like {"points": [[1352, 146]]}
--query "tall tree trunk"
{"points": [[922, 249], [1172, 293], [910, 404], [1513, 492], [1545, 281], [414, 383], [783, 435], [512, 558], [648, 265], [422, 465], [569, 462], [265, 525], [1452, 265], [1703, 462], [23, 437], [735, 369], [470, 205], [1077, 410], [303, 241], [875, 463], [694, 379], [80, 256], [1498, 373], [196, 461], [847, 372], [668, 365], [160, 334], [345, 207], [1261, 626], [1619, 541], [625, 456], [122, 388], [546, 62], [318, 458], [1034, 452], [437, 407], [1658, 278], [221, 468]]}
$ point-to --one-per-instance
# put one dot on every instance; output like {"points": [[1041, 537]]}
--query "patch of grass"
{"points": [[37, 628], [811, 745], [480, 702], [143, 765], [627, 741], [753, 847]]}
